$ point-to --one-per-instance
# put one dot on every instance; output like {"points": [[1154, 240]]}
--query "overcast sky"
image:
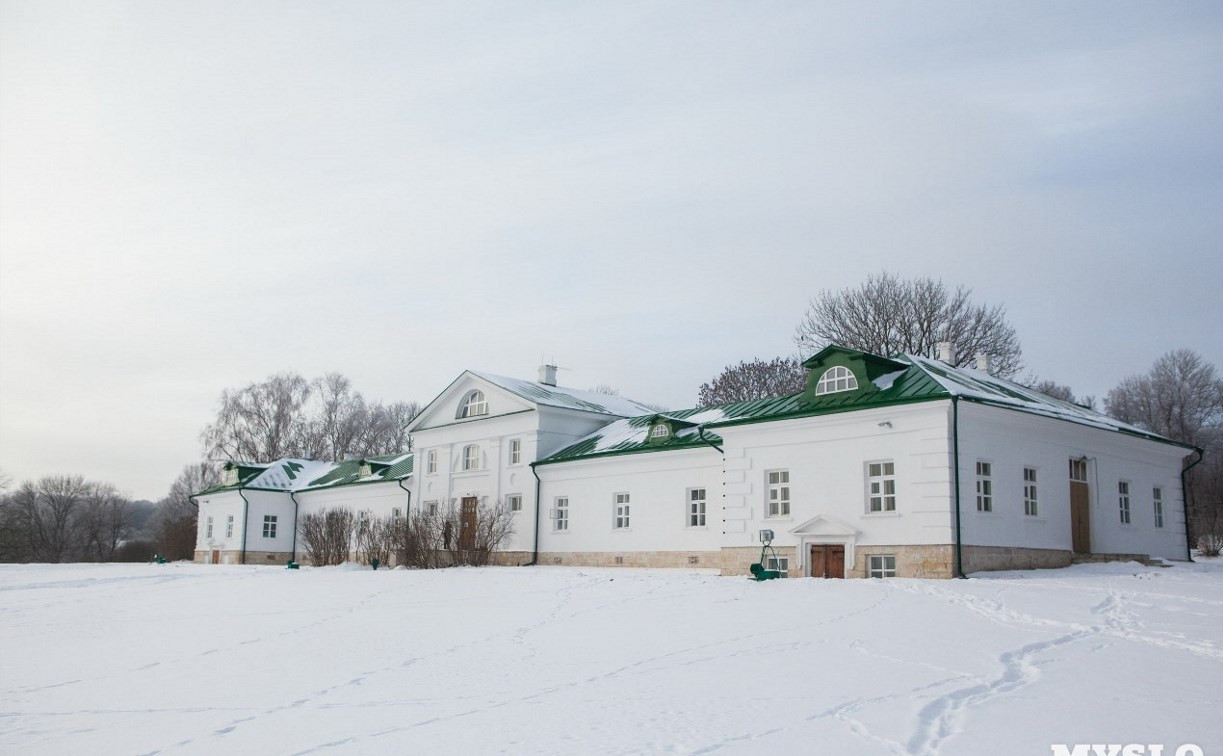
{"points": [[195, 195]]}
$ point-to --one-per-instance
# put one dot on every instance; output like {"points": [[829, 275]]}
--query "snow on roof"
{"points": [[567, 398], [290, 474], [982, 387]]}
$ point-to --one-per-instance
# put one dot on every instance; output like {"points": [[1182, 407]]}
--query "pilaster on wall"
{"points": [[736, 496]]}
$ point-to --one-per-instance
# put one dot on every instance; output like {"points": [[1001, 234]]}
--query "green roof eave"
{"points": [[643, 449], [828, 410]]}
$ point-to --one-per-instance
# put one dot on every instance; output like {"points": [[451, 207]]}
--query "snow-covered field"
{"points": [[181, 658]]}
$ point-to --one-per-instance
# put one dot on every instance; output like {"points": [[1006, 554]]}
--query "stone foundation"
{"points": [[985, 558], [712, 559], [926, 561], [738, 560], [278, 558]]}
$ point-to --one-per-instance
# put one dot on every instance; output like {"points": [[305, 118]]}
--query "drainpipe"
{"points": [[245, 522], [955, 442], [293, 496], [1185, 502], [535, 548], [700, 431], [407, 518]]}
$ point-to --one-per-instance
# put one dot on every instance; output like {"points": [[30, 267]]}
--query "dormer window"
{"points": [[474, 405], [836, 379], [231, 476], [366, 470], [660, 431]]}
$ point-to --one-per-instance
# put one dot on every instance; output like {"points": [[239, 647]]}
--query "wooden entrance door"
{"points": [[216, 556], [467, 523], [827, 560], [1080, 508]]}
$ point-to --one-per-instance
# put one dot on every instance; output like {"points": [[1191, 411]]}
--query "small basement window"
{"points": [[881, 566]]}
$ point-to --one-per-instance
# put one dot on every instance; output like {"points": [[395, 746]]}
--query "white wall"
{"points": [[826, 457], [658, 485], [1011, 440], [261, 503]]}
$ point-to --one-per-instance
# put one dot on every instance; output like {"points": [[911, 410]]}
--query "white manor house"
{"points": [[882, 466]]}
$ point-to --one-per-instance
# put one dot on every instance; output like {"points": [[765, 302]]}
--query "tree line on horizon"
{"points": [[287, 415]]}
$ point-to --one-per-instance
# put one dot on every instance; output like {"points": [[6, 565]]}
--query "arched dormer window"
{"points": [[471, 457], [836, 379], [473, 405], [660, 431]]}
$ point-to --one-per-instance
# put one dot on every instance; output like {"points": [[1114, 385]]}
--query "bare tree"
{"points": [[289, 416], [105, 521], [327, 536], [375, 543], [443, 539], [887, 315], [177, 516], [758, 379], [1182, 398]]}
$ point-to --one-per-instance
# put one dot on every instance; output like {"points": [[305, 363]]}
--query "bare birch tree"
{"points": [[888, 315], [758, 379]]}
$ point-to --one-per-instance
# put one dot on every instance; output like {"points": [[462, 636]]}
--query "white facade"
{"points": [[876, 477]]}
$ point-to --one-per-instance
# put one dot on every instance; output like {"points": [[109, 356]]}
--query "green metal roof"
{"points": [[305, 475], [909, 379]]}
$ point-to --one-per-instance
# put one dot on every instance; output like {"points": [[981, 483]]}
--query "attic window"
{"points": [[474, 405], [660, 431], [366, 470], [231, 476], [836, 379]]}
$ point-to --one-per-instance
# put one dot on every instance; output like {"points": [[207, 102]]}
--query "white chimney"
{"points": [[547, 375], [983, 362], [946, 352]]}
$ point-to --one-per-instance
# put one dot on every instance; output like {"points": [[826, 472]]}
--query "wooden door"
{"points": [[1080, 508], [827, 560], [467, 523], [216, 556]]}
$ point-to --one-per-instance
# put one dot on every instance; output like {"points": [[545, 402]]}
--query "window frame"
{"points": [[659, 431], [779, 563], [835, 380], [1157, 505], [886, 494], [692, 517], [269, 526], [515, 451], [621, 510], [431, 462], [229, 526], [431, 507], [1123, 502], [471, 457], [560, 507], [1031, 499], [208, 528], [881, 570], [780, 503], [985, 486], [475, 404], [514, 502]]}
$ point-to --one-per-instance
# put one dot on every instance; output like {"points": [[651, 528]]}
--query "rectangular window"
{"points": [[208, 528], [1029, 491], [229, 526], [779, 493], [516, 451], [881, 566], [396, 513], [560, 521], [1123, 501], [471, 457], [431, 507], [431, 462], [696, 507], [1157, 495], [269, 526], [781, 564], [985, 488], [515, 502], [881, 486], [622, 505]]}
